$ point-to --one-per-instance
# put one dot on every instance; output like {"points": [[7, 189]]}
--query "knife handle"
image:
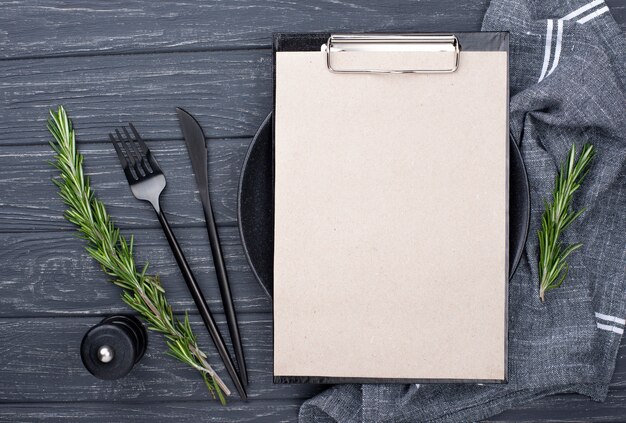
{"points": [[201, 304], [227, 299]]}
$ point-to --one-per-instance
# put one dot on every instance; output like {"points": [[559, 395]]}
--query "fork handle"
{"points": [[201, 304]]}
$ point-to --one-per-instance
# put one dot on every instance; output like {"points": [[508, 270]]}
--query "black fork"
{"points": [[146, 182]]}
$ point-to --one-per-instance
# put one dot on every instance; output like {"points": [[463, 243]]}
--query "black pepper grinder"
{"points": [[111, 348]]}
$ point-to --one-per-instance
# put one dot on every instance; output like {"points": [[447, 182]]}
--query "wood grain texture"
{"points": [[58, 28], [257, 411], [29, 201], [558, 408], [568, 408], [213, 58], [50, 274], [42, 352], [40, 362], [230, 93]]}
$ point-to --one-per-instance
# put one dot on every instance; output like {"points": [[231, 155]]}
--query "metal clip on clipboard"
{"points": [[392, 43]]}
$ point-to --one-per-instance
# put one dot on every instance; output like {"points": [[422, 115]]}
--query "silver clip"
{"points": [[445, 43]]}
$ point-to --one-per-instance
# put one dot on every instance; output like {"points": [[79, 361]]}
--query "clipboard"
{"points": [[391, 208]]}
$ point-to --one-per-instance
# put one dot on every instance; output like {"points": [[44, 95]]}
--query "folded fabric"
{"points": [[567, 81]]}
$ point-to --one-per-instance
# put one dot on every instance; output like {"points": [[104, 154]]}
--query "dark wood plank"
{"points": [[229, 92], [57, 28], [558, 408], [255, 411], [40, 362], [30, 201], [568, 408], [29, 343], [50, 274]]}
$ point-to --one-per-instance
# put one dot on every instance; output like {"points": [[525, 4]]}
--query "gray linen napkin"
{"points": [[568, 75]]}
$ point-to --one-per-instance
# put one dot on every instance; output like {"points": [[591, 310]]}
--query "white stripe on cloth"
{"points": [[610, 318], [610, 328], [548, 49], [559, 34], [557, 51], [593, 15], [582, 9]]}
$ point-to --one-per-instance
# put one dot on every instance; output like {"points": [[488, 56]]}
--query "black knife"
{"points": [[196, 146]]}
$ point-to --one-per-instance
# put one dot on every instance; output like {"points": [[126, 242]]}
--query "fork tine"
{"points": [[129, 155], [141, 159], [149, 162], [120, 155], [132, 161], [130, 174], [142, 144], [133, 144], [149, 158]]}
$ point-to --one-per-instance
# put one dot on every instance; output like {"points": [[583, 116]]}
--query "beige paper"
{"points": [[391, 221]]}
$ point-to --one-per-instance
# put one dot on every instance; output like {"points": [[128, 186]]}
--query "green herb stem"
{"points": [[557, 217]]}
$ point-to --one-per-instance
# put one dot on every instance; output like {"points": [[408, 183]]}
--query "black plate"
{"points": [[256, 206]]}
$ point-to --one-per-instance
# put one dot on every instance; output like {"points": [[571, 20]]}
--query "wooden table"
{"points": [[113, 62]]}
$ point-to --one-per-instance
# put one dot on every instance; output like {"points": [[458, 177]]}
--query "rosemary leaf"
{"points": [[557, 217], [142, 292]]}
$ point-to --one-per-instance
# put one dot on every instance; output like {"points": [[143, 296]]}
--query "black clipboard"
{"points": [[465, 42]]}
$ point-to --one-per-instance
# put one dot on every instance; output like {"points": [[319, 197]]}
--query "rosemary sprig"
{"points": [[142, 292], [557, 217]]}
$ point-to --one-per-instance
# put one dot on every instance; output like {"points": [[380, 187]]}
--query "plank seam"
{"points": [[231, 401], [106, 141], [123, 227], [139, 52], [179, 314]]}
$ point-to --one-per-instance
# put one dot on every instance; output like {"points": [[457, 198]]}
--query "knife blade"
{"points": [[197, 149]]}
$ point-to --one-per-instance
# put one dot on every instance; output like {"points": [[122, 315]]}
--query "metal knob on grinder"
{"points": [[111, 348]]}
